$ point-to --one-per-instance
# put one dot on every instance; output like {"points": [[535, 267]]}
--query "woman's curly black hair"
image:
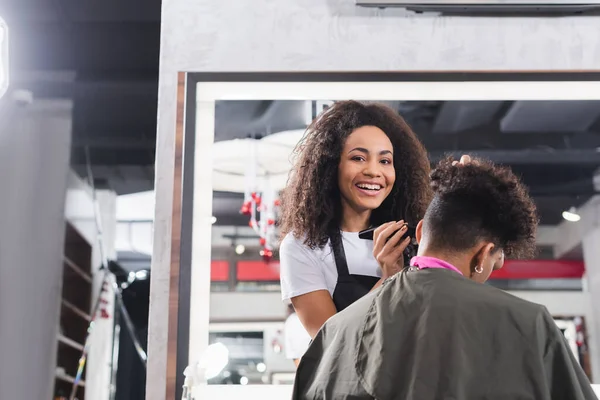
{"points": [[311, 202], [479, 201]]}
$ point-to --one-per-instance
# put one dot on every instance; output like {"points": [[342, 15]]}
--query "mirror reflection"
{"points": [[549, 144]]}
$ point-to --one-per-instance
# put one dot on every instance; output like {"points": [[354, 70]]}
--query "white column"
{"points": [[35, 141], [591, 256], [99, 371]]}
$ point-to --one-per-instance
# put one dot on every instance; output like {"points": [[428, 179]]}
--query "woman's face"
{"points": [[366, 172]]}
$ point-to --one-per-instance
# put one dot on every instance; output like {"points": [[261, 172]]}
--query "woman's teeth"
{"points": [[367, 186]]}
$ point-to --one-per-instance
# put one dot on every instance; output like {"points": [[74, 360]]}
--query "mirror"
{"points": [[245, 136]]}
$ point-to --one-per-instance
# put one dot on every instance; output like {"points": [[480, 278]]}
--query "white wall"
{"points": [[329, 35], [267, 306], [34, 161], [239, 306]]}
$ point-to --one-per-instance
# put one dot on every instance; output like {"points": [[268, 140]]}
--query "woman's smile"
{"points": [[366, 172]]}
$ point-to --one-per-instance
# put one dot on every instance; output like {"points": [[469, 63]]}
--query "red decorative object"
{"points": [[257, 271], [540, 269], [515, 269], [245, 210], [260, 202], [267, 255], [219, 271]]}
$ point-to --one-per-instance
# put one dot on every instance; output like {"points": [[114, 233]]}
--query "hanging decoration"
{"points": [[260, 204], [259, 169]]}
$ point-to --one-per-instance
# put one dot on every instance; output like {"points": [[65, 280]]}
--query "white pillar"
{"points": [[98, 375], [35, 143], [591, 256]]}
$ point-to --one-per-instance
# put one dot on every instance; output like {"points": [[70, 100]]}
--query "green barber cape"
{"points": [[434, 334]]}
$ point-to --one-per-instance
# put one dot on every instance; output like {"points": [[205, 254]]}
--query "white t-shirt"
{"points": [[296, 338], [304, 270]]}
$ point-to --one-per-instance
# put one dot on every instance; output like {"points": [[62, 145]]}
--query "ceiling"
{"points": [[105, 56]]}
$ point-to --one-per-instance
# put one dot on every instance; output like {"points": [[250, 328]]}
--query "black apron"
{"points": [[349, 288]]}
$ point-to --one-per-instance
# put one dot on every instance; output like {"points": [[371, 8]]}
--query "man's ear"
{"points": [[483, 255], [419, 232]]}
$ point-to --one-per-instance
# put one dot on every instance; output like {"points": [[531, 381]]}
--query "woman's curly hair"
{"points": [[479, 201], [311, 202]]}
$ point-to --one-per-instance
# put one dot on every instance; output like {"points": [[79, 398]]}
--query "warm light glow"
{"points": [[240, 249], [214, 360], [571, 215], [141, 274], [3, 57]]}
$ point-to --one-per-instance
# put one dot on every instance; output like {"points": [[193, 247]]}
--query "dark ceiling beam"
{"points": [[540, 157], [32, 11], [143, 89], [79, 46], [115, 142], [233, 219], [114, 157], [490, 138]]}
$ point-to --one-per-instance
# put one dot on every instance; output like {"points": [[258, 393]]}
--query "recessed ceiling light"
{"points": [[571, 215]]}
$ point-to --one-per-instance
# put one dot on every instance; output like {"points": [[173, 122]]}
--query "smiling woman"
{"points": [[359, 165]]}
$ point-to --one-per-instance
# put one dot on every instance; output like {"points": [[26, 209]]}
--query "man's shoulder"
{"points": [[505, 299]]}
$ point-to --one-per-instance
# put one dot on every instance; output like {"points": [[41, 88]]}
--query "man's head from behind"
{"points": [[480, 213]]}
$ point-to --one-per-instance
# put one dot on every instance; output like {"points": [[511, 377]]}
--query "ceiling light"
{"points": [[3, 57], [141, 274], [261, 367], [213, 220], [571, 215], [240, 249]]}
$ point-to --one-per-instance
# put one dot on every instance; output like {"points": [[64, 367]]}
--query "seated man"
{"points": [[434, 331]]}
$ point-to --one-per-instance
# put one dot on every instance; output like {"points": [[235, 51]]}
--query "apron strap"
{"points": [[338, 253]]}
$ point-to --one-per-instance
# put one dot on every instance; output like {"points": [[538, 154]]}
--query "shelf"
{"points": [[70, 379], [69, 342], [77, 270], [76, 310]]}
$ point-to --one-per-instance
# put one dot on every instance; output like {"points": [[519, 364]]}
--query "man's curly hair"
{"points": [[480, 201], [311, 202]]}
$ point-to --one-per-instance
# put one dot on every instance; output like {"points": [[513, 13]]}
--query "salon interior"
{"points": [[145, 148]]}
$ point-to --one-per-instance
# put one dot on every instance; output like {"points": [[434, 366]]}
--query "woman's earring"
{"points": [[479, 269]]}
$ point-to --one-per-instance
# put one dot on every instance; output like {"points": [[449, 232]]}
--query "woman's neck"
{"points": [[354, 221]]}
